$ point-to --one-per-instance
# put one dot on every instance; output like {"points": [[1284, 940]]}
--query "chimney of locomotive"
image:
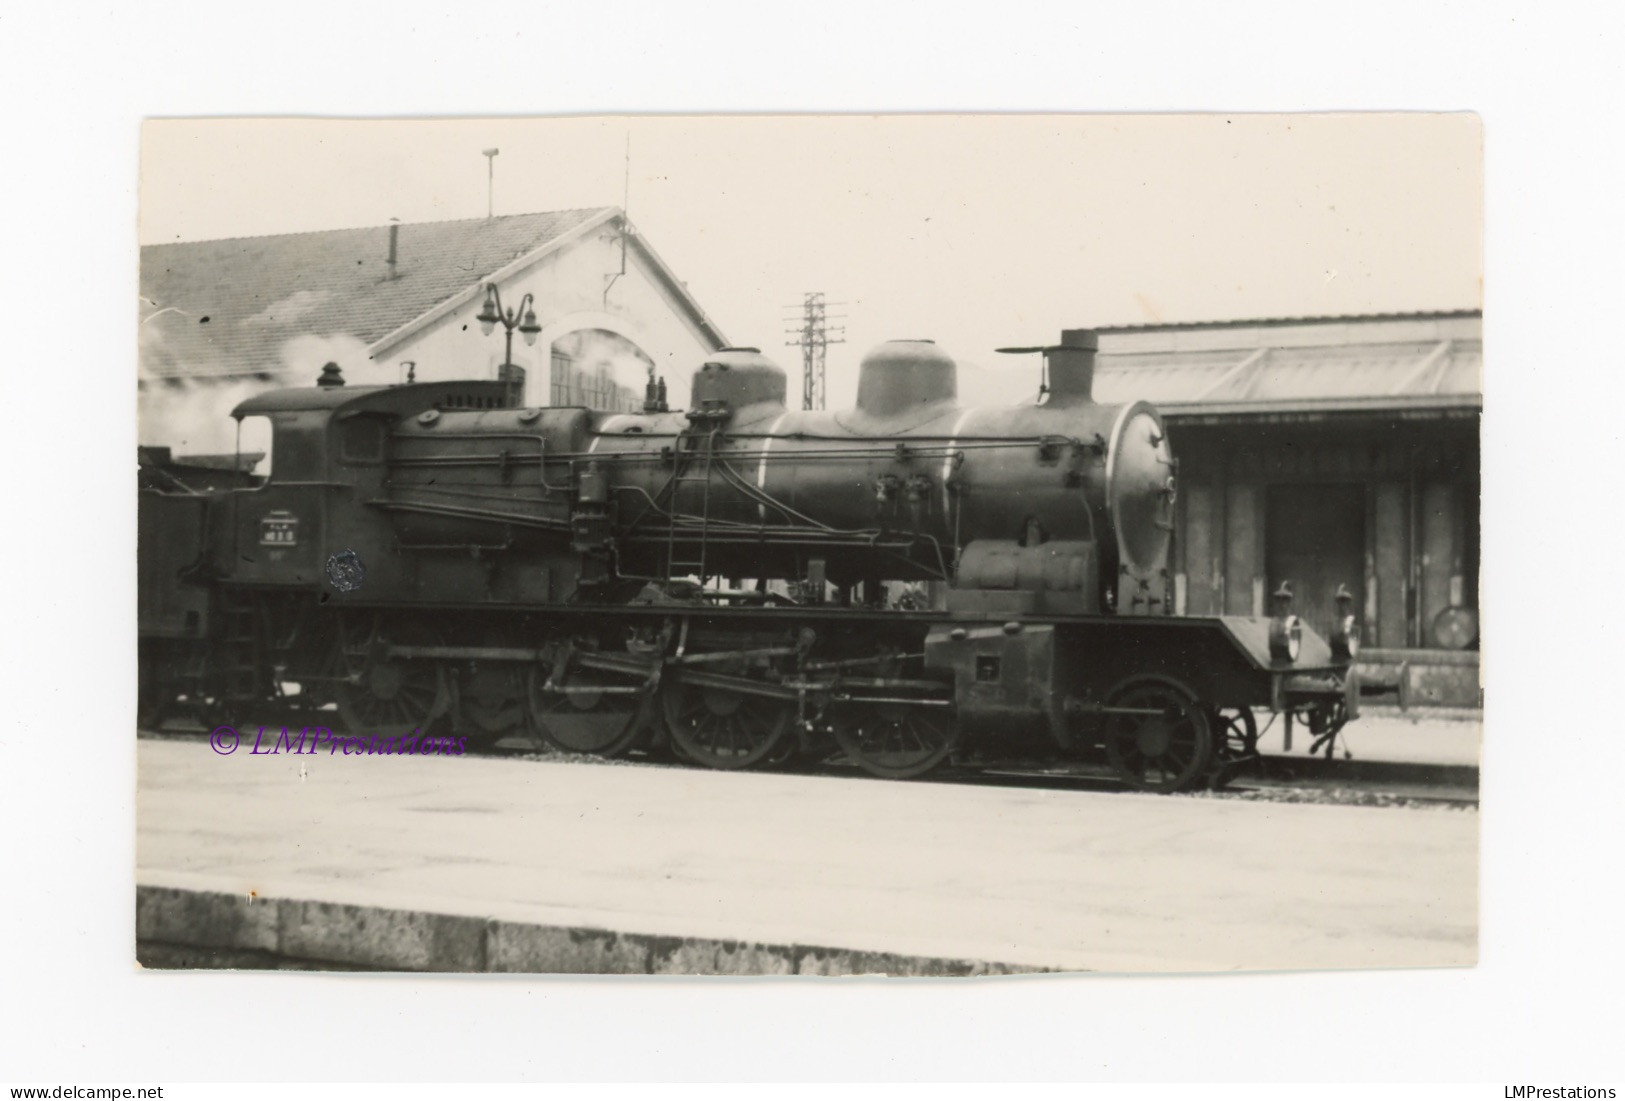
{"points": [[1072, 366], [394, 238]]}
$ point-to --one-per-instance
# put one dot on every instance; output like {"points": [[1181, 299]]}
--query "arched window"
{"points": [[600, 370]]}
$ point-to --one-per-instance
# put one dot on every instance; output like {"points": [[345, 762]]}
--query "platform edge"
{"points": [[374, 938]]}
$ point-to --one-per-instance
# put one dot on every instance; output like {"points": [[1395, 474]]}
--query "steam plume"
{"points": [[186, 405]]}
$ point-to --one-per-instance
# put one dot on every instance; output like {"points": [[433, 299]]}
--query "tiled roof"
{"points": [[227, 307]]}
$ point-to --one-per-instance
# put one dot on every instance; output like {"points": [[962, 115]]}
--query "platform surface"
{"points": [[1069, 879]]}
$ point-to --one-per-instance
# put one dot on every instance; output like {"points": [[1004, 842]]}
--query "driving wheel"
{"points": [[396, 695], [724, 728], [584, 718]]}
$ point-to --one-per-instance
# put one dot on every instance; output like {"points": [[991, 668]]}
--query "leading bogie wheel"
{"points": [[721, 728], [1161, 739], [894, 741], [1235, 744]]}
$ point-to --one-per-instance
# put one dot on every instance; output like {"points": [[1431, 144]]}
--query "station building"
{"points": [[1327, 452]]}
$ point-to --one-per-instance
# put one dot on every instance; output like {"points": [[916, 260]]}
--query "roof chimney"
{"points": [[394, 237], [1072, 366]]}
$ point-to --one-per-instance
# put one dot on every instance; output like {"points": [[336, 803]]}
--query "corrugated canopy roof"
{"points": [[1414, 359], [227, 307]]}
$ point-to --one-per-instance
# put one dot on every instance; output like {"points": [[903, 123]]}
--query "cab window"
{"points": [[254, 447]]}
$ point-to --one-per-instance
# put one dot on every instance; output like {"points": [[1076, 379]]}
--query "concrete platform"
{"points": [[1001, 877]]}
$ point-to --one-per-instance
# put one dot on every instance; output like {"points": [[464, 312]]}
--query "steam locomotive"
{"points": [[907, 582]]}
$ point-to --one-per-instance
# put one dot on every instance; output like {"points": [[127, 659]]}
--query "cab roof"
{"points": [[398, 400]]}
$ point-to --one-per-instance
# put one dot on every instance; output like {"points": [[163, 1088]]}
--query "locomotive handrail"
{"points": [[465, 491], [506, 544], [952, 443], [469, 513], [936, 451], [941, 441]]}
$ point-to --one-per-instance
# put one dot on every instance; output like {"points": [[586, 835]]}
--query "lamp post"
{"points": [[523, 318]]}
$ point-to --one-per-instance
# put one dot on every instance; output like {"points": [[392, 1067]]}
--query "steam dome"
{"points": [[901, 375]]}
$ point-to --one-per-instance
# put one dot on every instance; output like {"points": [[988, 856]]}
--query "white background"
{"points": [[1541, 1006]]}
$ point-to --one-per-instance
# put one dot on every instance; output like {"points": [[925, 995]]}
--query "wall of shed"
{"points": [[569, 289]]}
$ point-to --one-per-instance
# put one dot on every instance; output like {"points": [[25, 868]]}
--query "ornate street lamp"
{"points": [[523, 318]]}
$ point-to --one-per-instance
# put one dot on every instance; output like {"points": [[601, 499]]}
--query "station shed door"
{"points": [[1314, 537]]}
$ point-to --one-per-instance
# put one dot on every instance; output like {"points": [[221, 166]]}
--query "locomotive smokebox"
{"points": [[903, 375], [1072, 366]]}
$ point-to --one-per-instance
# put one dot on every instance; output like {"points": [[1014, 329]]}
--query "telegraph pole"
{"points": [[813, 336]]}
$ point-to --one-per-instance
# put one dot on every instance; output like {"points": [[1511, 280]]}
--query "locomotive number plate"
{"points": [[279, 529]]}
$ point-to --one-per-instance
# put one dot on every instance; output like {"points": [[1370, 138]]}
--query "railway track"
{"points": [[1272, 779]]}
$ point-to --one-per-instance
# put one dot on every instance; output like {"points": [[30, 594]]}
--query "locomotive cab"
{"points": [[329, 446]]}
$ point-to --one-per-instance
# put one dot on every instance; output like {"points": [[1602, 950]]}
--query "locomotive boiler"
{"points": [[736, 582], [906, 486]]}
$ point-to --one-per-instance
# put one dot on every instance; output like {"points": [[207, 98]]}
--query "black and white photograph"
{"points": [[890, 545], [560, 548]]}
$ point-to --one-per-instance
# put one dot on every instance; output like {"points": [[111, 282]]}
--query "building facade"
{"points": [[1327, 453], [403, 299]]}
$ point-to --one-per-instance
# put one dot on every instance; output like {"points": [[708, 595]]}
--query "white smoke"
{"points": [[599, 357], [303, 358], [186, 406]]}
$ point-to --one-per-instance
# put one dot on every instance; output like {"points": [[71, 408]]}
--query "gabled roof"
{"points": [[227, 307]]}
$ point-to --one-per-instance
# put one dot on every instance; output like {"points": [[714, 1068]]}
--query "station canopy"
{"points": [[1412, 362]]}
